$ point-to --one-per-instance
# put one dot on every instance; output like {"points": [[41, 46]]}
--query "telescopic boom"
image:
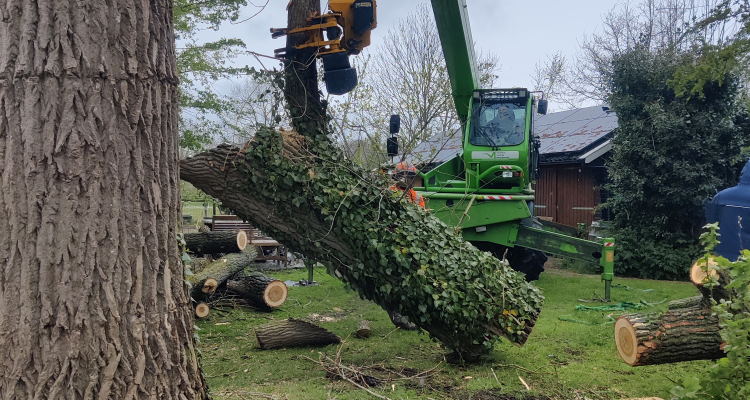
{"points": [[453, 27]]}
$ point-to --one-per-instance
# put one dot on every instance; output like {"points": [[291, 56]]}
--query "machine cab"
{"points": [[497, 140]]}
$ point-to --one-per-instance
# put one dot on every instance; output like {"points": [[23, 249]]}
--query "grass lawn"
{"points": [[561, 360]]}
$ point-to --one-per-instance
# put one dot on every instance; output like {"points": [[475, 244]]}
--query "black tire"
{"points": [[527, 261]]}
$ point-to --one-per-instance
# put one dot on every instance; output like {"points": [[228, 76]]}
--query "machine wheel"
{"points": [[527, 261]]}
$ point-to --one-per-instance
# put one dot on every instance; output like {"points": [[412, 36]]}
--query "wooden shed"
{"points": [[574, 147]]}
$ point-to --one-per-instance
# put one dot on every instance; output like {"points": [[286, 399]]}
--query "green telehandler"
{"points": [[486, 190]]}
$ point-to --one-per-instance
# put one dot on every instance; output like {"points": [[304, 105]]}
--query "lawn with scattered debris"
{"points": [[570, 355]]}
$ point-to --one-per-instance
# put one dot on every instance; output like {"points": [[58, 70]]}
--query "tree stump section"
{"points": [[687, 331], [259, 290], [293, 333], [202, 310], [363, 330], [212, 243]]}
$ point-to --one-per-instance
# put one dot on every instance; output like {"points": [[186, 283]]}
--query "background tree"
{"points": [[405, 77], [200, 64], [671, 153], [93, 302], [549, 77], [650, 25]]}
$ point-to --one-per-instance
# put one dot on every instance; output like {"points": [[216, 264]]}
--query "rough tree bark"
{"points": [[93, 303]]}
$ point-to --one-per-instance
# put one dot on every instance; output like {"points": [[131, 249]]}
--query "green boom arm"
{"points": [[455, 36]]}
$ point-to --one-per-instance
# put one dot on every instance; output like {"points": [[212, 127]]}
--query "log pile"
{"points": [[225, 278], [687, 331]]}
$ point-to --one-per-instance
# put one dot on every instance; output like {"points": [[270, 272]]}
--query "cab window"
{"points": [[498, 124]]}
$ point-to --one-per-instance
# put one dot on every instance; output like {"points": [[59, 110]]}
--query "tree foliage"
{"points": [[716, 61], [201, 63], [670, 154]]}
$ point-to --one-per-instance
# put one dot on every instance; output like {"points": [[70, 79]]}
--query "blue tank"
{"points": [[731, 208]]}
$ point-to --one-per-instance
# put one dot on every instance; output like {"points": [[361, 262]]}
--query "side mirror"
{"points": [[395, 124], [391, 145], [541, 107]]}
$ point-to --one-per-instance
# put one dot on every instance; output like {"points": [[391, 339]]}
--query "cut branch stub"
{"points": [[704, 274], [202, 310]]}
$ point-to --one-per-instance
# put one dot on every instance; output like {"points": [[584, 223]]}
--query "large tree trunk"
{"points": [[93, 303]]}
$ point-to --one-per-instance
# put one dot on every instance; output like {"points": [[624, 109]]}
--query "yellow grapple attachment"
{"points": [[343, 30]]}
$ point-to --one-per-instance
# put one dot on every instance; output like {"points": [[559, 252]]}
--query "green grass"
{"points": [[562, 360], [195, 209]]}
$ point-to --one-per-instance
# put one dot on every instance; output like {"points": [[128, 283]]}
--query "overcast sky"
{"points": [[520, 33]]}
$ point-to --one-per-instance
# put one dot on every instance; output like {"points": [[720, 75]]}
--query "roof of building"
{"points": [[574, 130], [582, 134]]}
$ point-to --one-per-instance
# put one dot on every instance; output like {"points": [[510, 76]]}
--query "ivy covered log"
{"points": [[259, 290], [212, 243], [303, 192]]}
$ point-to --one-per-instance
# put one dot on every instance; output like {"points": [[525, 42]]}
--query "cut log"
{"points": [[214, 275], [293, 333], [363, 330], [259, 290], [687, 331], [202, 310], [212, 243]]}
